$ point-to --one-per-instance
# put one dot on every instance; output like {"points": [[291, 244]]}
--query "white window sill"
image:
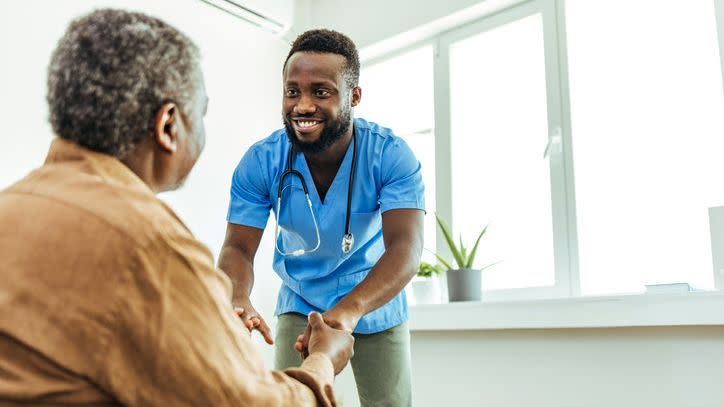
{"points": [[694, 308]]}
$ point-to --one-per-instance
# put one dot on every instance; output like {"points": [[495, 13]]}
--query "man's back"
{"points": [[72, 235], [107, 298]]}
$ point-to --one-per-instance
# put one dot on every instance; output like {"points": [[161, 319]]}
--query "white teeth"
{"points": [[306, 124]]}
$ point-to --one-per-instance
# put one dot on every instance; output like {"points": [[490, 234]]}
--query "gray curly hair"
{"points": [[111, 73]]}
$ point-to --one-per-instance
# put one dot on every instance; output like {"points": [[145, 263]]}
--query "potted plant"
{"points": [[463, 281], [426, 288]]}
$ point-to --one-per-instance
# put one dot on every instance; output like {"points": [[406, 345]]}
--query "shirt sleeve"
{"points": [[250, 199], [401, 176], [177, 341]]}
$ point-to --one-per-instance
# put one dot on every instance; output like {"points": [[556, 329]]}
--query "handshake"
{"points": [[336, 344], [319, 337]]}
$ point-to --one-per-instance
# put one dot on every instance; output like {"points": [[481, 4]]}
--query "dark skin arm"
{"points": [[402, 231], [237, 261]]}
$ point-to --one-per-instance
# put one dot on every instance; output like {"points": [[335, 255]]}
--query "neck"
{"points": [[145, 164], [334, 154]]}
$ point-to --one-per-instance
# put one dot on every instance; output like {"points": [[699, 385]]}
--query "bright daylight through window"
{"points": [[625, 201], [648, 139], [398, 93], [499, 133]]}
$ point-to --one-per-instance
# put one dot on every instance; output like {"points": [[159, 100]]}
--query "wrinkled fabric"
{"points": [[108, 299]]}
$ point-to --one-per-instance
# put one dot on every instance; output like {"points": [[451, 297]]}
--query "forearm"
{"points": [[240, 270], [387, 278], [316, 373]]}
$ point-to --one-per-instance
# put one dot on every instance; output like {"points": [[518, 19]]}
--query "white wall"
{"points": [[661, 367], [242, 67], [370, 21]]}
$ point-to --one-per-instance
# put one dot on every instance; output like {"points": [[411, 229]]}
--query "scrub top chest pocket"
{"points": [[365, 225]]}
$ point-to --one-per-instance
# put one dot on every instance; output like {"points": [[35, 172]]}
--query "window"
{"points": [[499, 132], [398, 93], [499, 115], [629, 91], [648, 139]]}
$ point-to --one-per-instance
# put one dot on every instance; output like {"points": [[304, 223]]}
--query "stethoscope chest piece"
{"points": [[347, 242]]}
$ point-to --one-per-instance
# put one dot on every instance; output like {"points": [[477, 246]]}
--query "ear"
{"points": [[356, 96], [166, 127]]}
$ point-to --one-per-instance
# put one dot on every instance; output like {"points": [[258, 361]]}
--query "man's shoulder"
{"points": [[378, 137], [136, 215], [373, 129], [265, 152], [276, 140], [374, 133]]}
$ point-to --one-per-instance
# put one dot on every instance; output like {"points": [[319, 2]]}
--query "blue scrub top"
{"points": [[388, 176]]}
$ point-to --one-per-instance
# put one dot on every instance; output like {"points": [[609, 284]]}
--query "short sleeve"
{"points": [[402, 186], [250, 203]]}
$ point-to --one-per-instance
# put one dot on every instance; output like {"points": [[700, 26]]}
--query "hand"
{"points": [[335, 318], [341, 319], [336, 344], [251, 319]]}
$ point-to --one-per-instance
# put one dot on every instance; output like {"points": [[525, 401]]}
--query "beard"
{"points": [[333, 131]]}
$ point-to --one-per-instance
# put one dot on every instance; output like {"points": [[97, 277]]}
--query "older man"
{"points": [[107, 298]]}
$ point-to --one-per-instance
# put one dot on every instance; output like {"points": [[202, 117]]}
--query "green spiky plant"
{"points": [[463, 259]]}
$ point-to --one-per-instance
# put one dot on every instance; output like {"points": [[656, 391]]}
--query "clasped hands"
{"points": [[329, 333]]}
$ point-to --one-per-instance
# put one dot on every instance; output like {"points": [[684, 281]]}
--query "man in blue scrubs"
{"points": [[352, 169]]}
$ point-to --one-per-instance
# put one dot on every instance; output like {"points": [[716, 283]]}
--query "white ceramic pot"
{"points": [[426, 291]]}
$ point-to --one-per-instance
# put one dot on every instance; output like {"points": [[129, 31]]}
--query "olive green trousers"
{"points": [[381, 361]]}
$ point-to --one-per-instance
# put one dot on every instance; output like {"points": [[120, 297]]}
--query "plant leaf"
{"points": [[463, 253], [444, 263], [425, 270], [441, 260], [475, 248], [451, 244], [491, 265]]}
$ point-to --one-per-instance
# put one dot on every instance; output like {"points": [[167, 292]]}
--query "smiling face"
{"points": [[317, 105]]}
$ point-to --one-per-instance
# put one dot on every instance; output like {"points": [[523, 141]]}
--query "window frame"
{"points": [[565, 234], [719, 11], [560, 159]]}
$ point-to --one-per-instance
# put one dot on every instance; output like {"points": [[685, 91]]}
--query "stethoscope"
{"points": [[348, 238]]}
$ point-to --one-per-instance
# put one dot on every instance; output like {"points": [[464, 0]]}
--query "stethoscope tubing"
{"points": [[348, 238]]}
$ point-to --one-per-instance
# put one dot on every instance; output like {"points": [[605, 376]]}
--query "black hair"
{"points": [[329, 41]]}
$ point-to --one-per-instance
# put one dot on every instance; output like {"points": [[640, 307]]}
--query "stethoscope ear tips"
{"points": [[347, 243]]}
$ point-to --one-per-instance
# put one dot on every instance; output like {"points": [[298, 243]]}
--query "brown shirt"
{"points": [[106, 298]]}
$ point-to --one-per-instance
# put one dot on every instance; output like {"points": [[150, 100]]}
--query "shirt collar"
{"points": [[106, 166]]}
